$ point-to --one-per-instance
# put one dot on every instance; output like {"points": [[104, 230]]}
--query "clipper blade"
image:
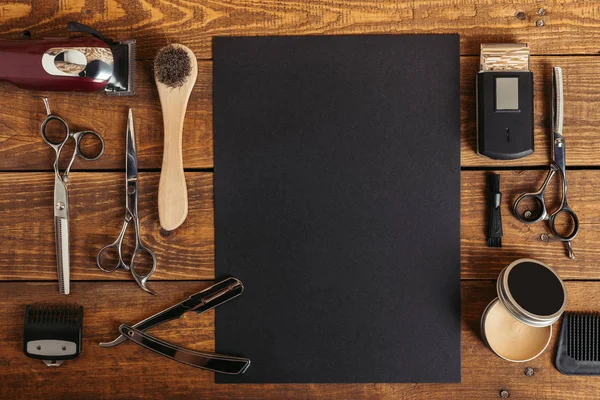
{"points": [[122, 82]]}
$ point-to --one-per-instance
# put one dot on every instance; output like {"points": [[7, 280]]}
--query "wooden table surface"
{"points": [[563, 33]]}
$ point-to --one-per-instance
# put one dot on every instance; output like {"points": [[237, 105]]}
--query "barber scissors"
{"points": [[558, 165], [61, 194], [131, 215]]}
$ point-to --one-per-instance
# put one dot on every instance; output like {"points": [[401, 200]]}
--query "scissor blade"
{"points": [[61, 230], [61, 234], [557, 100], [558, 141], [131, 167]]}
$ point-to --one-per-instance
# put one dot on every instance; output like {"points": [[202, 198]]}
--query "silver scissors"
{"points": [[61, 194], [131, 215], [536, 199]]}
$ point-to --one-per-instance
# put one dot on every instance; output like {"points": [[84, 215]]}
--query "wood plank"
{"points": [[97, 207], [523, 240], [582, 114], [130, 371], [23, 114], [569, 27], [97, 202]]}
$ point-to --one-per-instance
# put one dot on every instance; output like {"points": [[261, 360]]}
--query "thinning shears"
{"points": [[536, 200], [131, 216], [61, 194]]}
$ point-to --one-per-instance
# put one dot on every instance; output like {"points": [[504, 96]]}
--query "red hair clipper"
{"points": [[84, 64]]}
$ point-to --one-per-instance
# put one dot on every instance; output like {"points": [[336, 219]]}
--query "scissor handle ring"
{"points": [[538, 197], [140, 248], [571, 213], [63, 122], [119, 264], [116, 246], [79, 138]]}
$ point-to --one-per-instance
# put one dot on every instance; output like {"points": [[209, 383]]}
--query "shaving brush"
{"points": [[175, 73]]}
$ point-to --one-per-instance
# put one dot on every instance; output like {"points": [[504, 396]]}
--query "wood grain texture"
{"points": [[523, 240], [97, 202], [97, 207], [22, 112], [22, 149], [568, 38], [582, 112], [569, 26], [129, 371]]}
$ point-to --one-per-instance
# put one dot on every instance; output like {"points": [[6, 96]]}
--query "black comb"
{"points": [[53, 333], [579, 344]]}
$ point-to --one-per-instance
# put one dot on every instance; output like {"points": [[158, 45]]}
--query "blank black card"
{"points": [[337, 204]]}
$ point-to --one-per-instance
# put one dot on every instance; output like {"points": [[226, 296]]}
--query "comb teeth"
{"points": [[582, 342], [131, 73], [65, 315]]}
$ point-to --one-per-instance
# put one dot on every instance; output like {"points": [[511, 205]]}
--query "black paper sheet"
{"points": [[337, 204]]}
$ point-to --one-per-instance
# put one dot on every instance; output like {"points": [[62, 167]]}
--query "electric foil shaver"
{"points": [[84, 64], [504, 102]]}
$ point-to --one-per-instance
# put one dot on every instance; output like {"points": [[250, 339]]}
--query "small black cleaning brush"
{"points": [[495, 217], [579, 344]]}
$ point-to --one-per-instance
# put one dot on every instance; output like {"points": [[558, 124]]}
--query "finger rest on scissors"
{"points": [[141, 279]]}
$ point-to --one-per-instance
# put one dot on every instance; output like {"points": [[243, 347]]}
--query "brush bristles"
{"points": [[494, 242], [172, 66]]}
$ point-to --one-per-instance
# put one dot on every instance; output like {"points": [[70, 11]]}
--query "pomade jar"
{"points": [[517, 325]]}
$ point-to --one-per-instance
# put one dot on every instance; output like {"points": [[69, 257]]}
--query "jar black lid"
{"points": [[532, 292], [536, 288]]}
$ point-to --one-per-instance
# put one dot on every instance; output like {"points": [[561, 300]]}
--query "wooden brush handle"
{"points": [[172, 189]]}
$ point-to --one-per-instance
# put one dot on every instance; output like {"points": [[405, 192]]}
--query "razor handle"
{"points": [[83, 64]]}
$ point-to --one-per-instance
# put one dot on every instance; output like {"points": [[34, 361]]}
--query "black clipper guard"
{"points": [[53, 333]]}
